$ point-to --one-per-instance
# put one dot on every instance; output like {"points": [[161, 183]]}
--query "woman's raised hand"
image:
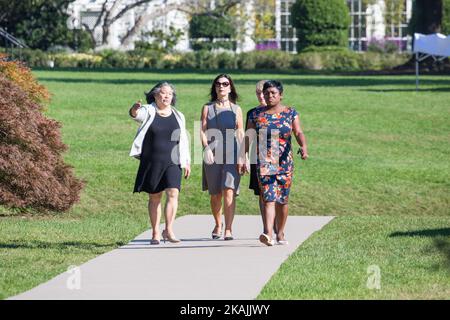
{"points": [[134, 108]]}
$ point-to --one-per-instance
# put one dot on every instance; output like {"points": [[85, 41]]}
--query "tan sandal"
{"points": [[264, 238]]}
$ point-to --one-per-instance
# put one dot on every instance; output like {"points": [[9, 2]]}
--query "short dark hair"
{"points": [[273, 84], [233, 96], [150, 96]]}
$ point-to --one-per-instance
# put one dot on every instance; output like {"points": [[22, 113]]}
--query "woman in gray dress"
{"points": [[221, 134]]}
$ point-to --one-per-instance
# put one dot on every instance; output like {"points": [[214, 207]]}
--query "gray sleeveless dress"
{"points": [[223, 172]]}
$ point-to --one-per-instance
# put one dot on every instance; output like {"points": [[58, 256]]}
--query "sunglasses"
{"points": [[222, 84]]}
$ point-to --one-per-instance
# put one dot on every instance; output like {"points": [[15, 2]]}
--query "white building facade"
{"points": [[367, 23]]}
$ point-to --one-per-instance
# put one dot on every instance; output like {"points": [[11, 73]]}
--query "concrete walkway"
{"points": [[196, 268]]}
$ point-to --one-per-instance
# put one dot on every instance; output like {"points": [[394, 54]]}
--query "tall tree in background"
{"points": [[445, 25], [321, 22], [264, 20], [39, 23], [430, 16], [211, 23]]}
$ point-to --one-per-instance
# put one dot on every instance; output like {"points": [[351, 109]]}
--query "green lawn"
{"points": [[378, 160]]}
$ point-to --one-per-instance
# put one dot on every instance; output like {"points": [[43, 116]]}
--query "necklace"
{"points": [[164, 113], [222, 101]]}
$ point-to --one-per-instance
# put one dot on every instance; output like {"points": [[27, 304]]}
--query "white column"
{"points": [[249, 27], [278, 22], [375, 27]]}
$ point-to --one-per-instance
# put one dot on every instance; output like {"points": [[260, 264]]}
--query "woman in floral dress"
{"points": [[274, 125]]}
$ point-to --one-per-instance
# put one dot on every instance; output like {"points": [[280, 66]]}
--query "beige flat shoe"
{"points": [[264, 238]]}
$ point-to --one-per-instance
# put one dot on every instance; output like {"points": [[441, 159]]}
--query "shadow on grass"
{"points": [[20, 244], [442, 89], [441, 240], [314, 81], [444, 232]]}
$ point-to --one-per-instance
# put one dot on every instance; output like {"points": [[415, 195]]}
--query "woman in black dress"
{"points": [[251, 150], [162, 146]]}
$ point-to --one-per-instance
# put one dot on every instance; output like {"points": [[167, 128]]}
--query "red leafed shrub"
{"points": [[32, 171], [22, 76]]}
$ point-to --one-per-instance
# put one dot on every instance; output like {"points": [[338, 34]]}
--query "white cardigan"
{"points": [[145, 115]]}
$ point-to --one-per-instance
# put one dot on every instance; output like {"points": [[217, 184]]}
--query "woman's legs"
{"points": [[281, 211], [216, 208], [154, 211], [269, 216], [229, 200], [261, 209], [170, 209]]}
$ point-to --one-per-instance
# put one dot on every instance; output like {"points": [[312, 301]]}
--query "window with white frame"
{"points": [[288, 34], [357, 36], [364, 23], [89, 18], [397, 26]]}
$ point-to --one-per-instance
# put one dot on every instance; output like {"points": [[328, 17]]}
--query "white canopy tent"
{"points": [[435, 45]]}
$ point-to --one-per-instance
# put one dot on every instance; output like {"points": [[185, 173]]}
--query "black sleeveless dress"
{"points": [[157, 171]]}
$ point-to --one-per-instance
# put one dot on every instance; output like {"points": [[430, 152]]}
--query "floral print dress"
{"points": [[275, 163]]}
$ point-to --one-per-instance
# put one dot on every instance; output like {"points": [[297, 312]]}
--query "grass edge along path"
{"points": [[409, 255]]}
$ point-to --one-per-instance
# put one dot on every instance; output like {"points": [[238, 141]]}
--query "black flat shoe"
{"points": [[154, 242], [230, 237], [216, 236]]}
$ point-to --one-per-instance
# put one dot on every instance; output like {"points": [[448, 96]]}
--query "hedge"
{"points": [[312, 58]]}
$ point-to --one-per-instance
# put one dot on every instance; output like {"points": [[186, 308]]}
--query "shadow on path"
{"points": [[208, 243]]}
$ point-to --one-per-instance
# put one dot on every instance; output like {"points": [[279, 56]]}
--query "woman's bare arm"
{"points": [[300, 137], [134, 108]]}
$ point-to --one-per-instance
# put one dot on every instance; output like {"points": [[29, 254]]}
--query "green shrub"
{"points": [[308, 61], [226, 60], [35, 58], [371, 61], [246, 61], [273, 59], [187, 60], [321, 22], [114, 59], [324, 49], [206, 60], [267, 59], [327, 58], [340, 60]]}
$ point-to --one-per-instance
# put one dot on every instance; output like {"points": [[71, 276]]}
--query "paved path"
{"points": [[196, 268]]}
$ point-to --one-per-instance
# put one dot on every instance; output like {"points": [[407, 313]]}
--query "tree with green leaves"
{"points": [[213, 23], [430, 16], [40, 24], [321, 22]]}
